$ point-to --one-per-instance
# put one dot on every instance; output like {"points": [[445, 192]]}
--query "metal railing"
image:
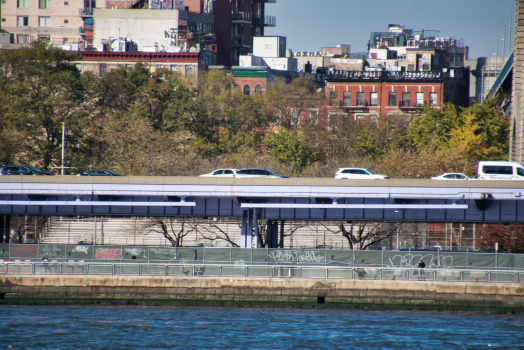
{"points": [[272, 271]]}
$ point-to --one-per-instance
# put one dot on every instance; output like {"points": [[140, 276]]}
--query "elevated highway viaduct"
{"points": [[273, 200]]}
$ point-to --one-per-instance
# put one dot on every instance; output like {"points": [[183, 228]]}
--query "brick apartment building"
{"points": [[188, 64], [380, 93]]}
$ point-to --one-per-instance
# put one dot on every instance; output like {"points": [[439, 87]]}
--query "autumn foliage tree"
{"points": [[510, 238]]}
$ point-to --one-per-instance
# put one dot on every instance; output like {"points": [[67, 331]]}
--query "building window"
{"points": [[66, 3], [44, 4], [359, 116], [189, 71], [420, 99], [347, 98], [333, 98], [103, 69], [44, 21], [360, 99], [158, 66], [405, 99], [174, 68], [4, 1], [313, 116], [22, 4], [3, 19], [373, 97], [392, 99], [22, 39], [79, 67], [246, 90], [433, 99], [258, 89], [66, 21], [332, 121], [22, 21], [44, 37]]}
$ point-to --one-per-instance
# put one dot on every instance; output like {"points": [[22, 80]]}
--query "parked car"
{"points": [[22, 170], [99, 172], [220, 173], [451, 176], [256, 172], [357, 173]]}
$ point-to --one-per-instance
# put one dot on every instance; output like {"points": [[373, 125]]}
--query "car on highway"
{"points": [[451, 176], [358, 173], [220, 173], [257, 172], [99, 172], [22, 170]]}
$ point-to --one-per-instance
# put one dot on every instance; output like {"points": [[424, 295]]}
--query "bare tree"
{"points": [[213, 232], [363, 234], [174, 229]]}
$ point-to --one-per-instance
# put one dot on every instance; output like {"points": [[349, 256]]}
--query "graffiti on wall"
{"points": [[25, 251], [411, 260], [52, 251], [108, 253], [291, 256], [136, 252], [81, 249]]}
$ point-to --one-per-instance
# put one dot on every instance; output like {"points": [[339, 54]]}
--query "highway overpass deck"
{"points": [[253, 199]]}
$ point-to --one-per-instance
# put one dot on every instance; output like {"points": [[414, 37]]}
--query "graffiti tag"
{"points": [[291, 256], [81, 249], [111, 253]]}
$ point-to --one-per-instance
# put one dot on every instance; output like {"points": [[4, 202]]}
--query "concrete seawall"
{"points": [[263, 292]]}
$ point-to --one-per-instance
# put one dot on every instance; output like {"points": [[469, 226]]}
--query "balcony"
{"points": [[85, 12], [270, 21], [241, 17], [361, 105], [241, 41], [408, 106]]}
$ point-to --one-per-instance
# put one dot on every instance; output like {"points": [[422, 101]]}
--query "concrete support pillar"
{"points": [[7, 228], [255, 222], [272, 234], [2, 228], [246, 229], [281, 243]]}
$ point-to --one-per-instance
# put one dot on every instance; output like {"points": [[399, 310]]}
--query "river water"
{"points": [[94, 327]]}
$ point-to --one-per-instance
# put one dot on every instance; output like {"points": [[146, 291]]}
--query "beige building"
{"points": [[59, 21]]}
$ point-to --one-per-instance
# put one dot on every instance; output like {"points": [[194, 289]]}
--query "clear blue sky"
{"points": [[310, 25]]}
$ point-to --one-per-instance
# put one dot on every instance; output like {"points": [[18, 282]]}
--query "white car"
{"points": [[221, 173], [257, 172], [451, 176], [358, 173]]}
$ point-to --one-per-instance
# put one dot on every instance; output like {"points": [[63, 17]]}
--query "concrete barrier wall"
{"points": [[264, 292]]}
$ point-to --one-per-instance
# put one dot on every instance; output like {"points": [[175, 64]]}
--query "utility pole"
{"points": [[63, 148]]}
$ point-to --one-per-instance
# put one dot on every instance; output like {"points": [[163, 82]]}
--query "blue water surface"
{"points": [[94, 327]]}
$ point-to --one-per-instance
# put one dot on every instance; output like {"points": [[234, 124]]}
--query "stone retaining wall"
{"points": [[263, 292]]}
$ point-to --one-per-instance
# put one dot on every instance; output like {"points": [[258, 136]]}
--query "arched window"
{"points": [[228, 87], [246, 90], [258, 89]]}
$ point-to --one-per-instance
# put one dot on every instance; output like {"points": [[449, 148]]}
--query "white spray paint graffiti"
{"points": [[291, 256], [136, 252], [411, 260], [240, 262], [81, 249]]}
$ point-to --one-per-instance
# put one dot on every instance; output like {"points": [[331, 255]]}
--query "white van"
{"points": [[499, 170]]}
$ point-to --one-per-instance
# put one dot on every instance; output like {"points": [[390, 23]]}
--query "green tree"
{"points": [[287, 148]]}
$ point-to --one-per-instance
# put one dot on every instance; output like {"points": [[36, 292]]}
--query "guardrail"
{"points": [[273, 271]]}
